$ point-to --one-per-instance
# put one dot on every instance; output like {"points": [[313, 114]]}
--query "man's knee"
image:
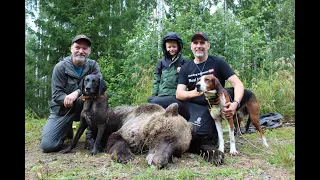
{"points": [[51, 139], [48, 145], [150, 99], [158, 100]]}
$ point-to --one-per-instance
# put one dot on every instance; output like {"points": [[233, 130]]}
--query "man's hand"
{"points": [[70, 98], [229, 109], [194, 93]]}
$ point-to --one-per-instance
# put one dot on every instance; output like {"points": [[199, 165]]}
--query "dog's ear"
{"points": [[81, 84], [218, 85], [102, 86]]}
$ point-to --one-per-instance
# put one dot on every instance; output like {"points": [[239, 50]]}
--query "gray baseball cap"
{"points": [[81, 36]]}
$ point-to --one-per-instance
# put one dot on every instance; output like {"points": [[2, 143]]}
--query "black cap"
{"points": [[200, 34], [81, 36]]}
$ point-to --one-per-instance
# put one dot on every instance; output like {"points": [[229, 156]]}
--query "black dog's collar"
{"points": [[84, 97]]}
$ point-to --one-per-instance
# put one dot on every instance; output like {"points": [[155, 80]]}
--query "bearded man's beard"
{"points": [[199, 55], [79, 59]]}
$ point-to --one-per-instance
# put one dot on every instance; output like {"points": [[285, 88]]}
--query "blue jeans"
{"points": [[57, 128]]}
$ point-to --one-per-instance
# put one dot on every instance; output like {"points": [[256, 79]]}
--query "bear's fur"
{"points": [[163, 133]]}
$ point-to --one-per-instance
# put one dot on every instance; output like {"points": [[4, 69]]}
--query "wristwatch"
{"points": [[237, 102]]}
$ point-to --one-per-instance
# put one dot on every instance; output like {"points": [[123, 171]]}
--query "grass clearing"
{"points": [[255, 162]]}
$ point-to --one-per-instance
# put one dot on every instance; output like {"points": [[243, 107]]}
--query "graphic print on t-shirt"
{"points": [[192, 78]]}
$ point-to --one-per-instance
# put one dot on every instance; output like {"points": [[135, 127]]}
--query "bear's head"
{"points": [[169, 136]]}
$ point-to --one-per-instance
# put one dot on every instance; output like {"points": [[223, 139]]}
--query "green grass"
{"points": [[255, 162]]}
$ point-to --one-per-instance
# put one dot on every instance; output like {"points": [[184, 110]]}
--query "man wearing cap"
{"points": [[205, 132], [65, 106]]}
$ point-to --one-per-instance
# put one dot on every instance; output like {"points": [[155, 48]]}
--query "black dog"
{"points": [[95, 113]]}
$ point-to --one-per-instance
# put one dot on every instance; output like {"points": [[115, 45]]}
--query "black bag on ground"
{"points": [[269, 120]]}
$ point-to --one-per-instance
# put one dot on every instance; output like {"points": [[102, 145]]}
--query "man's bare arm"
{"points": [[183, 94]]}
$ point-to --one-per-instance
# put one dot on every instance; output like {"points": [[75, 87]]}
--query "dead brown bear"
{"points": [[163, 133]]}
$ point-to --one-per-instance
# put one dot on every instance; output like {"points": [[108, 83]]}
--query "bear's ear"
{"points": [[172, 110]]}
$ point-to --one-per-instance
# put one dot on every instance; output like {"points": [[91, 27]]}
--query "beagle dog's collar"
{"points": [[214, 100]]}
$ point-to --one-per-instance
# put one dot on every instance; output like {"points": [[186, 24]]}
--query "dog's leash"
{"points": [[216, 100]]}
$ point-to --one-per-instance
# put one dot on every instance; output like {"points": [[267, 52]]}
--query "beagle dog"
{"points": [[217, 96]]}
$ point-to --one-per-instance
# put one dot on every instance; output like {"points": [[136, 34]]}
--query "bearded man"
{"points": [[65, 104]]}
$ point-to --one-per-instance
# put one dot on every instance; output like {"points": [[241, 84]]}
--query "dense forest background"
{"points": [[256, 37]]}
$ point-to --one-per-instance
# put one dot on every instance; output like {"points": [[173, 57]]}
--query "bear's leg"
{"points": [[118, 148]]}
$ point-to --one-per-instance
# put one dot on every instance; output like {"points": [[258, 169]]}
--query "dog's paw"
{"points": [[94, 151], [89, 144], [234, 153], [218, 158]]}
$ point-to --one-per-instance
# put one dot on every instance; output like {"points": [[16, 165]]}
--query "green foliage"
{"points": [[276, 92], [115, 79], [252, 36], [37, 83], [142, 56], [30, 114], [140, 95]]}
